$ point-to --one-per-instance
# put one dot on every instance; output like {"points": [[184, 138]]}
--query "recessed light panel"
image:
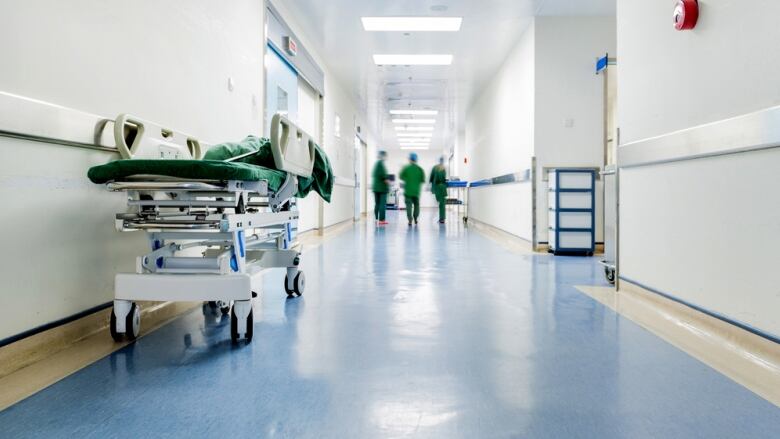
{"points": [[413, 60], [414, 128], [415, 148], [414, 134], [414, 112], [415, 121], [412, 24]]}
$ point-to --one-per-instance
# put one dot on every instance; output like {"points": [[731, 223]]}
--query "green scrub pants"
{"points": [[443, 210], [380, 205], [412, 208]]}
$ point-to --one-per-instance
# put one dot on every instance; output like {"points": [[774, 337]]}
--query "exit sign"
{"points": [[290, 46]]}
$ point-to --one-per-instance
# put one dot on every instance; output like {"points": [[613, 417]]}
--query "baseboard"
{"points": [[42, 344], [502, 237], [544, 247], [37, 347], [747, 358]]}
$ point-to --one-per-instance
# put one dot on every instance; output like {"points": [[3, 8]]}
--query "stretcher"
{"points": [[213, 226]]}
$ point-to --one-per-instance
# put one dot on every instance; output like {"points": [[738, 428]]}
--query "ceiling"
{"points": [[490, 29]]}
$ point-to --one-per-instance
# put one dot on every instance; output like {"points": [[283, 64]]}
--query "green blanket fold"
{"points": [[256, 167]]}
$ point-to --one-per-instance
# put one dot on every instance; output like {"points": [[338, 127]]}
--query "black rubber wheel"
{"points": [[250, 326], [225, 309], [299, 284], [290, 293], [212, 304], [234, 336], [610, 274], [233, 327], [131, 330], [112, 327]]}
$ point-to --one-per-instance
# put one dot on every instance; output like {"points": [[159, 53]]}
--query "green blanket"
{"points": [[259, 166]]}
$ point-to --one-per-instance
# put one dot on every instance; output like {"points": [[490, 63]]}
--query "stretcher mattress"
{"points": [[259, 166]]}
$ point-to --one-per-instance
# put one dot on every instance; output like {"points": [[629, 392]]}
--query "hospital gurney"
{"points": [[240, 216]]}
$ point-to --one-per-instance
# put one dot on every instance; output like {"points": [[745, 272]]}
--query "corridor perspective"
{"points": [[367, 219], [430, 332]]}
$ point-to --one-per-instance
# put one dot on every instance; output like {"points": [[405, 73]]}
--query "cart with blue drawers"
{"points": [[572, 204]]}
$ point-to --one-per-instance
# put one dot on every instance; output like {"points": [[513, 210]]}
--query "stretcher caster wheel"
{"points": [[132, 324], [224, 307], [299, 284], [610, 274], [235, 336]]}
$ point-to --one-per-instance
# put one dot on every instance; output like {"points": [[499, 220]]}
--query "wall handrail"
{"points": [[31, 119], [750, 132], [39, 121], [515, 177]]}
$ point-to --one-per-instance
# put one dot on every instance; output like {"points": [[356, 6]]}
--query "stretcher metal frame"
{"points": [[209, 240]]}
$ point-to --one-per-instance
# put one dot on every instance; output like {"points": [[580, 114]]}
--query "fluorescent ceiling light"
{"points": [[412, 24], [415, 148], [414, 128], [415, 112], [414, 134], [413, 60], [414, 142], [415, 121]]}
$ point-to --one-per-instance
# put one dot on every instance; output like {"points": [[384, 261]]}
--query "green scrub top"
{"points": [[379, 178], [439, 182], [413, 176]]}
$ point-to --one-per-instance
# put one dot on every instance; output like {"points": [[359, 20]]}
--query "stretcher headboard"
{"points": [[293, 149], [137, 138]]}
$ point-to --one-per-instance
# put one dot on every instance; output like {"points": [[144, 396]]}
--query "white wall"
{"points": [[173, 68], [546, 101], [569, 119], [703, 230], [340, 149], [499, 139], [672, 80]]}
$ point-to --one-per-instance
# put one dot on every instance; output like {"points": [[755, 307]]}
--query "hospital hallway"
{"points": [[208, 216], [429, 331]]}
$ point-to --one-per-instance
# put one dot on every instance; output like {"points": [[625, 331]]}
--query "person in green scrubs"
{"points": [[413, 177], [381, 186], [439, 188]]}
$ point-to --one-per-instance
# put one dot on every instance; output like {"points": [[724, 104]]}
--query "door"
{"points": [[281, 89], [356, 160]]}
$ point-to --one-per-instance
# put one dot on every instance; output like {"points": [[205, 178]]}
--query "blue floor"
{"points": [[427, 333]]}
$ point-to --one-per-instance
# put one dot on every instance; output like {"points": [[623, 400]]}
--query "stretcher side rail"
{"points": [[210, 240]]}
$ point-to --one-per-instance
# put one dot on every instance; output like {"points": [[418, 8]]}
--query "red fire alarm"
{"points": [[686, 14]]}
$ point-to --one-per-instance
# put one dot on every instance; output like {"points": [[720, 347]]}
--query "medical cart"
{"points": [[572, 206]]}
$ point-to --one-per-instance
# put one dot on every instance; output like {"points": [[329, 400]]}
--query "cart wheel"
{"points": [[290, 293], [610, 274], [132, 325], [112, 327], [234, 335], [212, 304], [299, 285], [224, 309]]}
